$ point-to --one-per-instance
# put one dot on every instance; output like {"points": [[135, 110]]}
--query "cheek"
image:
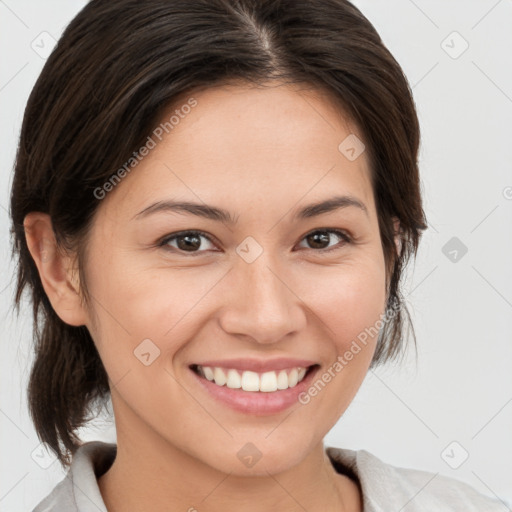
{"points": [[349, 302], [348, 298], [145, 310]]}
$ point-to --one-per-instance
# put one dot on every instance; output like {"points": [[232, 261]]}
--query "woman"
{"points": [[212, 205]]}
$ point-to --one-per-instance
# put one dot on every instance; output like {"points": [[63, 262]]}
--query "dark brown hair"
{"points": [[117, 67]]}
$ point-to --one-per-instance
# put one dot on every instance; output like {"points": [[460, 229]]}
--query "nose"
{"points": [[261, 303]]}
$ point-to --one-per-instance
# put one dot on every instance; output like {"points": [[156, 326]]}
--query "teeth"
{"points": [[208, 372], [293, 378], [282, 380], [219, 376], [234, 381], [251, 381], [268, 382]]}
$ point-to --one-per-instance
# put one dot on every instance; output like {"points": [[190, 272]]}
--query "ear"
{"points": [[397, 235], [58, 276]]}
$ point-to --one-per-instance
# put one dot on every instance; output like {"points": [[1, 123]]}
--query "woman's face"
{"points": [[268, 284]]}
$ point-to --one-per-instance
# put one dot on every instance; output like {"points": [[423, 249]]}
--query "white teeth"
{"points": [[282, 380], [234, 381], [219, 376], [208, 372], [293, 378], [251, 381], [268, 382]]}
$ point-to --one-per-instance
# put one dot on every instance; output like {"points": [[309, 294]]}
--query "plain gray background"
{"points": [[457, 401]]}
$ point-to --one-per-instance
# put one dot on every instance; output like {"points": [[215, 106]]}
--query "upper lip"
{"points": [[259, 365]]}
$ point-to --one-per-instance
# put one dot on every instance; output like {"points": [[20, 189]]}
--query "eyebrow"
{"points": [[221, 215]]}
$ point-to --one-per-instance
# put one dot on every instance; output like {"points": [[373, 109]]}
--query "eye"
{"points": [[191, 241], [186, 241], [320, 237]]}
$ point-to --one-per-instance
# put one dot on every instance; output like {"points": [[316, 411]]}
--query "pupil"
{"points": [[196, 242], [318, 238]]}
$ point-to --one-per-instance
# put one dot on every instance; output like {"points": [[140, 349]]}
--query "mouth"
{"points": [[251, 381]]}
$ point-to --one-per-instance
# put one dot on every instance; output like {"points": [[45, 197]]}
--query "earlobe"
{"points": [[55, 268]]}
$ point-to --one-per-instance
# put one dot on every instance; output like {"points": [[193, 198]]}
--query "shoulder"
{"points": [[386, 487], [78, 491]]}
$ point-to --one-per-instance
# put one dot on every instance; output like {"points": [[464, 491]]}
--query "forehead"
{"points": [[248, 145]]}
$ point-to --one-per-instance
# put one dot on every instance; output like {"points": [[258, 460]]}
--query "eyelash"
{"points": [[164, 241]]}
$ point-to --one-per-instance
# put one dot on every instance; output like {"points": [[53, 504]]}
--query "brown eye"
{"points": [[320, 239], [186, 241]]}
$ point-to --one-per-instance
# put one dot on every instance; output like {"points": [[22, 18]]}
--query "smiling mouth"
{"points": [[266, 382]]}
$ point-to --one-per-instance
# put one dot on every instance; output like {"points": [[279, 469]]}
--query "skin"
{"points": [[261, 154]]}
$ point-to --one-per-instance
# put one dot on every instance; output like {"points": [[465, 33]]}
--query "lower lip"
{"points": [[257, 402]]}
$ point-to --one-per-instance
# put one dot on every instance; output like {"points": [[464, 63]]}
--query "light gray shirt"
{"points": [[385, 488]]}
